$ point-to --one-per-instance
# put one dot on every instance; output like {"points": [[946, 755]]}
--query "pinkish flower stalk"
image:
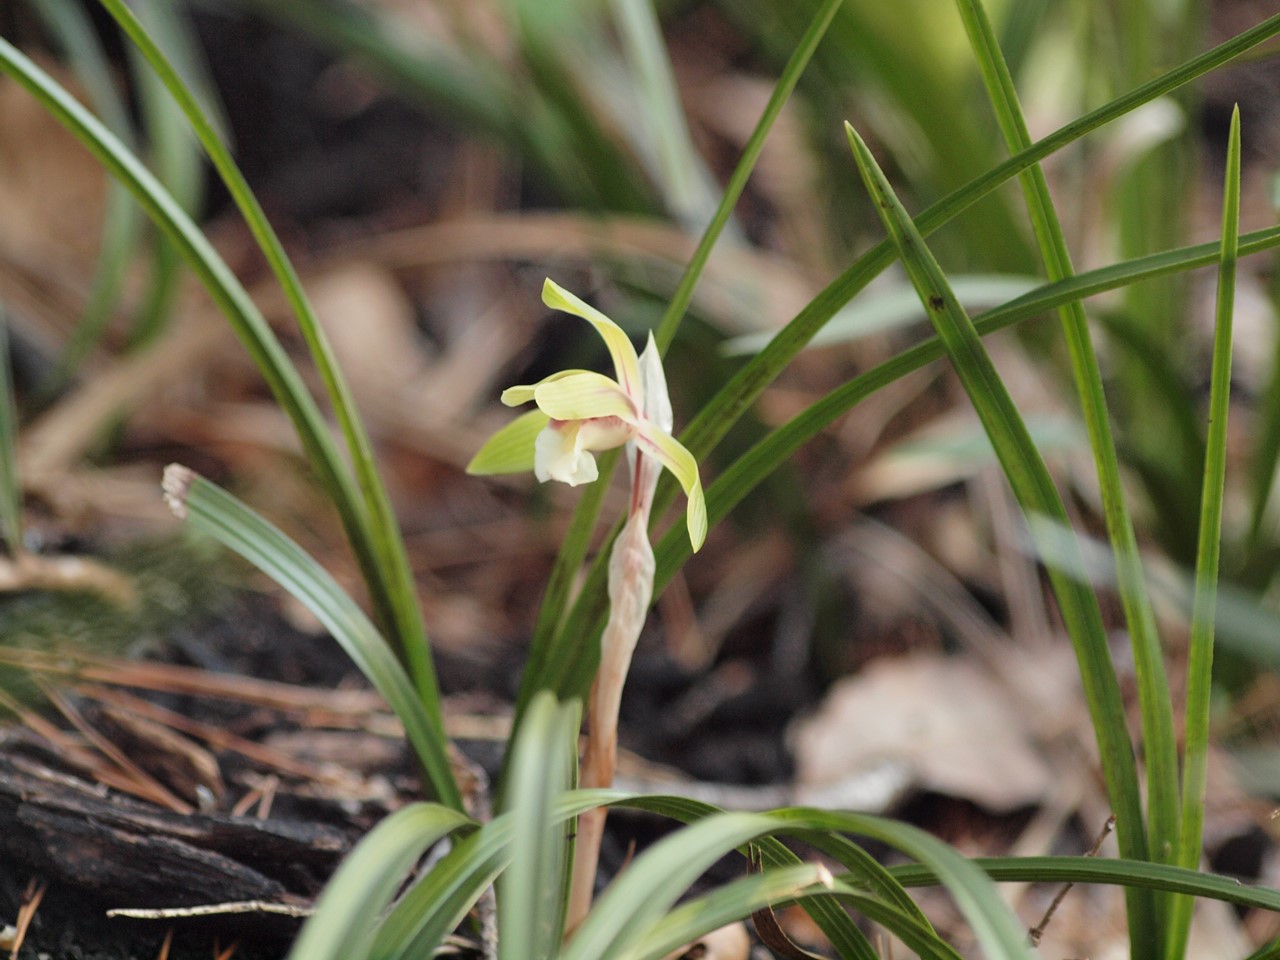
{"points": [[631, 570], [578, 413]]}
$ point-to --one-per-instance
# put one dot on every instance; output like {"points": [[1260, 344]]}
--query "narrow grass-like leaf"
{"points": [[553, 649], [569, 672], [1155, 701], [174, 154], [431, 909], [1123, 873], [396, 603], [1036, 494], [894, 309], [998, 931], [1200, 652], [677, 166], [10, 482], [212, 510], [835, 923], [384, 563], [733, 901], [994, 926], [349, 909], [71, 28], [749, 470], [434, 907], [866, 871], [888, 904], [652, 883], [722, 412], [740, 898], [530, 901], [227, 292]]}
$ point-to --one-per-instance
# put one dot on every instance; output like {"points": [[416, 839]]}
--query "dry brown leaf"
{"points": [[743, 289], [959, 729], [727, 943], [55, 442], [33, 572], [51, 189], [178, 762], [370, 323], [787, 172]]}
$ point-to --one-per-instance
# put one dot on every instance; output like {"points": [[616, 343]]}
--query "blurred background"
{"points": [[429, 163]]}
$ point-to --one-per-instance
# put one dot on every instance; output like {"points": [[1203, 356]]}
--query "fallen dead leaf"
{"points": [[727, 943], [958, 729], [370, 323], [51, 189]]}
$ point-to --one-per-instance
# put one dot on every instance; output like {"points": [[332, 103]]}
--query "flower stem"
{"points": [[631, 567]]}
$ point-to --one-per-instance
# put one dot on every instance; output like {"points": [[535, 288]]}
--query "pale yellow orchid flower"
{"points": [[581, 412]]}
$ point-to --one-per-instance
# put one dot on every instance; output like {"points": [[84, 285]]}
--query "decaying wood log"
{"points": [[129, 854]]}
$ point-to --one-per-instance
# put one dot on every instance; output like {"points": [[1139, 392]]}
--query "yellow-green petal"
{"points": [[584, 396], [625, 362], [523, 393], [673, 455], [510, 450]]}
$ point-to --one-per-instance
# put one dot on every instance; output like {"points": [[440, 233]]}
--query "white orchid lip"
{"points": [[581, 412], [562, 450]]}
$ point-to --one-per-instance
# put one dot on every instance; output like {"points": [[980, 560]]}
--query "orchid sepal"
{"points": [[511, 449], [673, 455], [625, 362], [584, 396]]}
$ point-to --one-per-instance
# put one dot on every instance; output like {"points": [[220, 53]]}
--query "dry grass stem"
{"points": [[27, 572], [31, 898]]}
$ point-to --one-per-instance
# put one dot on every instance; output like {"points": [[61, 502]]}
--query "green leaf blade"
{"points": [[212, 510], [1036, 494], [1155, 700], [347, 912], [370, 520], [1204, 604], [531, 901]]}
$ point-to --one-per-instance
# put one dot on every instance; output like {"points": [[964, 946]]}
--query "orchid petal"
{"points": [[673, 455], [657, 401], [583, 396], [558, 455], [511, 449], [523, 393], [625, 362]]}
